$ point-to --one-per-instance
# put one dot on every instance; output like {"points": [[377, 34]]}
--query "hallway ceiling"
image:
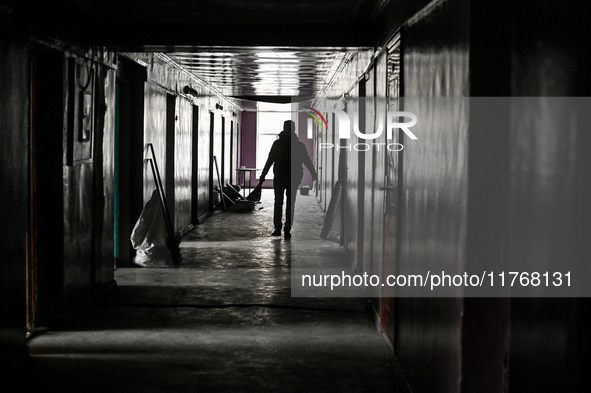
{"points": [[265, 71], [241, 47], [234, 11]]}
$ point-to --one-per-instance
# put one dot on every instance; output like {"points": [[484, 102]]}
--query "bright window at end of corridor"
{"points": [[270, 118]]}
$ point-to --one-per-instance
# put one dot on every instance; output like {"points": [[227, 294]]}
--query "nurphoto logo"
{"points": [[348, 123]]}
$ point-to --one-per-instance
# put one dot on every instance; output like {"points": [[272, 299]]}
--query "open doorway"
{"points": [[195, 167], [129, 152], [169, 183], [45, 201], [211, 155]]}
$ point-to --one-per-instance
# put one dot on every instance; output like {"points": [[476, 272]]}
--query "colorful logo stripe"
{"points": [[316, 117]]}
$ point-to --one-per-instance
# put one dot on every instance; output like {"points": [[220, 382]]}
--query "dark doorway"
{"points": [[195, 168], [211, 166], [169, 183], [333, 155], [232, 155], [129, 156], [361, 180], [45, 199], [222, 162]]}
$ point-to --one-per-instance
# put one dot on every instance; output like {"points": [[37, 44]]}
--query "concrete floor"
{"points": [[223, 320]]}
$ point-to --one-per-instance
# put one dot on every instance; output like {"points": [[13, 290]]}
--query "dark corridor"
{"points": [[223, 321], [496, 182]]}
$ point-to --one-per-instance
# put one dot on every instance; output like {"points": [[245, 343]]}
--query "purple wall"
{"points": [[248, 154]]}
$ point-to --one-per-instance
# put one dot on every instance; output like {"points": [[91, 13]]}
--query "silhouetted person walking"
{"points": [[287, 156]]}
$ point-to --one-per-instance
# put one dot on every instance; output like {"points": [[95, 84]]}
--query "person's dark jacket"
{"points": [[287, 156]]}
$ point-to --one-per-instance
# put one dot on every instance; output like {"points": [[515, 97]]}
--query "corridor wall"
{"points": [[13, 212], [165, 83], [60, 123], [346, 82], [475, 192], [435, 187], [550, 187], [86, 227], [59, 102]]}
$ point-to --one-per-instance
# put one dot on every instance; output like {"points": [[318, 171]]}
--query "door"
{"points": [[31, 262], [170, 176], [232, 164], [361, 180], [129, 155], [216, 150], [392, 189], [378, 154], [212, 153], [224, 154], [195, 167], [45, 232]]}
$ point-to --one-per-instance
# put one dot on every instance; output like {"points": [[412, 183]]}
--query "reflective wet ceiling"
{"points": [[265, 71]]}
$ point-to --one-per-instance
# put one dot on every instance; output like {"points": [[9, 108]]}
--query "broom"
{"points": [[255, 195]]}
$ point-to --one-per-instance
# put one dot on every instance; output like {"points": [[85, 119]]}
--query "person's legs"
{"points": [[279, 189], [290, 207]]}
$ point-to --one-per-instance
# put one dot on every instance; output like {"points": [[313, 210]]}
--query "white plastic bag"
{"points": [[148, 237]]}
